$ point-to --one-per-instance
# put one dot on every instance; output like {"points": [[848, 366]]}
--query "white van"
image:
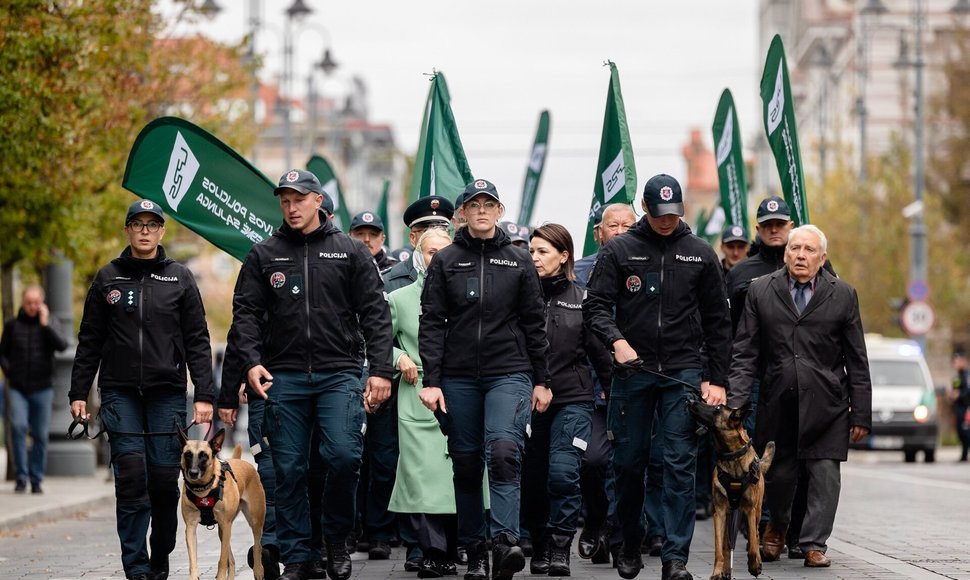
{"points": [[904, 413]]}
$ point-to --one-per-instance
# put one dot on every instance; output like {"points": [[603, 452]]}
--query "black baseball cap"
{"points": [[663, 196], [427, 210], [367, 219], [516, 232], [733, 234], [300, 181], [773, 208], [328, 203], [479, 187], [144, 206], [598, 215]]}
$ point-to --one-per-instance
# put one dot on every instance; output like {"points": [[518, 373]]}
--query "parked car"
{"points": [[904, 410]]}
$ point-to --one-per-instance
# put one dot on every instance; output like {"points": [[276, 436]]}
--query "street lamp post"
{"points": [[918, 251], [872, 8], [297, 11]]}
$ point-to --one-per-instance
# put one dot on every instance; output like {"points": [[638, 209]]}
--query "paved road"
{"points": [[895, 520]]}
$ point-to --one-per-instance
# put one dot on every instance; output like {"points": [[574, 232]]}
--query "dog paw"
{"points": [[755, 569]]}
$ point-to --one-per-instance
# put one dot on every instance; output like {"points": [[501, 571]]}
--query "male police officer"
{"points": [[427, 212], [305, 301], [658, 278], [734, 247], [368, 227]]}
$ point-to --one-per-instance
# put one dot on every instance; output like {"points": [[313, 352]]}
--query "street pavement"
{"points": [[896, 520]]}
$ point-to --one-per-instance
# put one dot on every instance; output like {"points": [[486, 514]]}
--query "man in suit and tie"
{"points": [[804, 325]]}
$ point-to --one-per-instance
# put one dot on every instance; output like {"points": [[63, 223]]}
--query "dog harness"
{"points": [[735, 487], [207, 503]]}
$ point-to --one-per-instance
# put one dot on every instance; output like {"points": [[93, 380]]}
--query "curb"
{"points": [[54, 513]]}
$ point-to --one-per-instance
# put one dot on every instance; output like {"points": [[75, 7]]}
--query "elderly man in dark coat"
{"points": [[816, 393]]}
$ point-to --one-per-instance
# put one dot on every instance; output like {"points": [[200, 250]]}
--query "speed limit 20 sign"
{"points": [[917, 318]]}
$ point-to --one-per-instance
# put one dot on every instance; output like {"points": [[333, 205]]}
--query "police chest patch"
{"points": [[633, 283], [334, 255], [508, 263], [277, 279], [113, 297], [568, 305], [680, 258]]}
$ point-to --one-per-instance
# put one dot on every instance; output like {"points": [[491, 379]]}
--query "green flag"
{"points": [[203, 184], [320, 167], [616, 173], [730, 163], [382, 206], [534, 171], [440, 166], [779, 119]]}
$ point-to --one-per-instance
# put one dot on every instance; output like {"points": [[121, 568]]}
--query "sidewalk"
{"points": [[62, 497]]}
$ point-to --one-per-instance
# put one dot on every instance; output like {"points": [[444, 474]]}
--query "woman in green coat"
{"points": [[423, 487]]}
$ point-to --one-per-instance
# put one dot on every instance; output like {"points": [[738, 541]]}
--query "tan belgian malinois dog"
{"points": [[213, 492], [738, 482]]}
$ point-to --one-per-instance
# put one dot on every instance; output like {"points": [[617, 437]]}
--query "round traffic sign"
{"points": [[917, 318], [918, 290]]}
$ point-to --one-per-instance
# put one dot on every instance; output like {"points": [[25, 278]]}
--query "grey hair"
{"points": [[812, 230], [617, 207]]}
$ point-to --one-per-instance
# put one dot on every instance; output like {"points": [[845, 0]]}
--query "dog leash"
{"points": [[83, 422]]}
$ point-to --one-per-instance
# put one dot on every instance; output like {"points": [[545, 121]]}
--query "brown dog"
{"points": [[738, 476], [213, 493]]}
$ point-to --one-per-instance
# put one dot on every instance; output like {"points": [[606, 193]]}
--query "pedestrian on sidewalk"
{"points": [[27, 358], [960, 397], [143, 326]]}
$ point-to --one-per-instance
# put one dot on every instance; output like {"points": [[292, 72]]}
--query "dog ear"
{"points": [[216, 442], [183, 439], [742, 413]]}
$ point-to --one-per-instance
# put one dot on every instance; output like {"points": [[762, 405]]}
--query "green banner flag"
{"points": [[382, 207], [616, 173], [320, 167], [203, 184], [537, 161], [779, 119], [440, 166], [730, 163]]}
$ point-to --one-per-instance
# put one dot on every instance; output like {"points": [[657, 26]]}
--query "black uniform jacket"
{"points": [[143, 322], [27, 352], [657, 285], [307, 303], [569, 344], [481, 311], [820, 355]]}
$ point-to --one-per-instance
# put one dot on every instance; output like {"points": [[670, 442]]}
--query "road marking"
{"points": [[900, 478], [883, 561]]}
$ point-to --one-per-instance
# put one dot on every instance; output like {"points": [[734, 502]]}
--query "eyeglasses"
{"points": [[476, 206], [140, 226]]}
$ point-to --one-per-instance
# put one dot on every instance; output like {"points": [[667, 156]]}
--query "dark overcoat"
{"points": [[821, 354]]}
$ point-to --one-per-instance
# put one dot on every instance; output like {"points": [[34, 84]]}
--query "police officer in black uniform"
{"points": [[483, 344], [368, 227], [143, 324], [427, 212], [659, 277], [305, 302]]}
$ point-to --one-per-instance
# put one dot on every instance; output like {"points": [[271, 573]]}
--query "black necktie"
{"points": [[801, 296]]}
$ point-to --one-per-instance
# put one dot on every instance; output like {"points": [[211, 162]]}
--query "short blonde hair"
{"points": [[429, 234]]}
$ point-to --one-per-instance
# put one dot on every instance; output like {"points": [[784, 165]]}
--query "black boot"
{"points": [[675, 570], [507, 557], [271, 562], [477, 561], [559, 555], [540, 556], [316, 570], [339, 565], [159, 566], [629, 562], [296, 571]]}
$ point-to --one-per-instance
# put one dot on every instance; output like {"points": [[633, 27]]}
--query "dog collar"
{"points": [[732, 455]]}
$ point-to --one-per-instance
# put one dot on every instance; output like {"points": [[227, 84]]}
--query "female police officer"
{"points": [[551, 496], [143, 322], [483, 345]]}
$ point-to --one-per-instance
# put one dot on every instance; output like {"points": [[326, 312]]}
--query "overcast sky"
{"points": [[507, 60]]}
